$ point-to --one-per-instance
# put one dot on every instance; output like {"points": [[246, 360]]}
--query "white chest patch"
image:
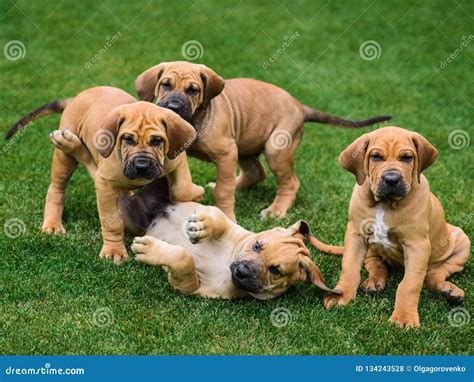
{"points": [[380, 229]]}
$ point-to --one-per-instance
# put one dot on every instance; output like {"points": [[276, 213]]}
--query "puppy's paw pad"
{"points": [[117, 253], [371, 286]]}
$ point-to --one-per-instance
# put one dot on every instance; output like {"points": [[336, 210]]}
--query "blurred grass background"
{"points": [[52, 288]]}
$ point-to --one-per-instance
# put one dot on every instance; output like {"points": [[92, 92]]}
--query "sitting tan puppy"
{"points": [[237, 120], [205, 253], [395, 219], [127, 144]]}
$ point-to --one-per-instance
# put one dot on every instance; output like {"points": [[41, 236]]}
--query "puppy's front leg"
{"points": [[182, 188], [111, 222], [417, 254], [211, 224], [182, 275], [352, 260], [224, 192]]}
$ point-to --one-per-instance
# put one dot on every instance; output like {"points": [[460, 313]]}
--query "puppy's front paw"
{"points": [[405, 320], [53, 228], [273, 212], [198, 228], [332, 299], [118, 253], [147, 250], [65, 140]]}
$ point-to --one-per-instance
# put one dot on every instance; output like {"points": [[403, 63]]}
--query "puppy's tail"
{"points": [[326, 248], [312, 115], [57, 106]]}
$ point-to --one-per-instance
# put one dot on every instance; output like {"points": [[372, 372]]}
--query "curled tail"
{"points": [[326, 248], [57, 106], [312, 115]]}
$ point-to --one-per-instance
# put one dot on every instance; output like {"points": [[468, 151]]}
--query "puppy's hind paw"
{"points": [[65, 140], [197, 228]]}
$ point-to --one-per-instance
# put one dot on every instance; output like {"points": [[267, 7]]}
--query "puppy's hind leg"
{"points": [[62, 168], [279, 152], [182, 271], [436, 277], [70, 143], [251, 172], [377, 274]]}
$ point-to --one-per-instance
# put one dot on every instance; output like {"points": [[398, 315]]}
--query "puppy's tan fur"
{"points": [[100, 118], [236, 120], [407, 231]]}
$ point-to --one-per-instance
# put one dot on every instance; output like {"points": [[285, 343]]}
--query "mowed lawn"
{"points": [[58, 297]]}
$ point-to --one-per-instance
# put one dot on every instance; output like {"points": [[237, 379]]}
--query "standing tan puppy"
{"points": [[395, 219], [236, 120], [124, 144]]}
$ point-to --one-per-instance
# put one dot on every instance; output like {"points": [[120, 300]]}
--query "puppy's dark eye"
{"points": [[128, 139], [156, 141], [274, 270], [165, 85], [192, 91], [406, 158], [256, 247], [376, 157]]}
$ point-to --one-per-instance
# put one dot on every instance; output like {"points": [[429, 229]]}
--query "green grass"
{"points": [[50, 287]]}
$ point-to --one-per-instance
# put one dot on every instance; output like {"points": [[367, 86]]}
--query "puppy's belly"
{"points": [[212, 258]]}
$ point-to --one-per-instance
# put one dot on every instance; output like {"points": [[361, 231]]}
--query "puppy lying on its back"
{"points": [[207, 254]]}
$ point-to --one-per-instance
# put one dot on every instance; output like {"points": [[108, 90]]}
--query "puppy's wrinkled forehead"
{"points": [[183, 71], [142, 114], [391, 140]]}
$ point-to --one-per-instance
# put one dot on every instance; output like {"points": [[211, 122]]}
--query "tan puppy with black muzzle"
{"points": [[205, 253], [236, 120], [124, 145], [394, 219]]}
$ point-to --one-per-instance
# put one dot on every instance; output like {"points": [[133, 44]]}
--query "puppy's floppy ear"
{"points": [[312, 275], [425, 152], [353, 157], [105, 138], [213, 85], [300, 229], [180, 134], [145, 83]]}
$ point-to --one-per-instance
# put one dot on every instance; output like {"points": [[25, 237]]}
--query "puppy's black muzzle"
{"points": [[142, 166], [244, 276], [392, 185], [177, 102]]}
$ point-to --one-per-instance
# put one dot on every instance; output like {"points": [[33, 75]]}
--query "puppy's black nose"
{"points": [[142, 164], [174, 105], [242, 271], [391, 178]]}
